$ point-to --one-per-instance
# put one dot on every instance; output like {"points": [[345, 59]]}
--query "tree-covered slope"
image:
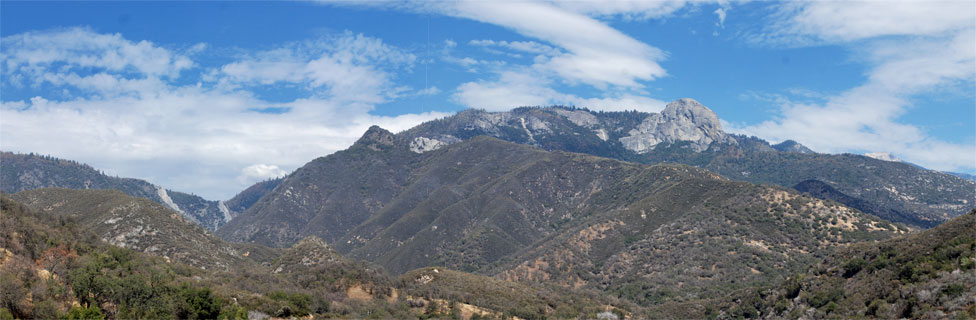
{"points": [[19, 172], [138, 224], [58, 266], [926, 275]]}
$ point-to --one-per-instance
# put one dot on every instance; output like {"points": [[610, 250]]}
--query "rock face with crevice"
{"points": [[682, 120]]}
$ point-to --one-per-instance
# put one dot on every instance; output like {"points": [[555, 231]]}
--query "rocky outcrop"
{"points": [[682, 120], [792, 146], [377, 138], [424, 144], [883, 156]]}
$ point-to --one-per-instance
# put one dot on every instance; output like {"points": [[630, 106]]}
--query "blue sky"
{"points": [[210, 97]]}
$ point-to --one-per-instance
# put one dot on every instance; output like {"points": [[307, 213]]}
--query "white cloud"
{"points": [[200, 138], [429, 91], [33, 55], [721, 13], [801, 23], [866, 118], [574, 49], [627, 9], [523, 46], [349, 67], [515, 89], [260, 172], [596, 54]]}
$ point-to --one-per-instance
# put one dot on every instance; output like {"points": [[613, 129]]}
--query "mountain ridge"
{"points": [[889, 186], [502, 209], [20, 172]]}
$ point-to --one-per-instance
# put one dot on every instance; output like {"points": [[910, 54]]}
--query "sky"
{"points": [[211, 97]]}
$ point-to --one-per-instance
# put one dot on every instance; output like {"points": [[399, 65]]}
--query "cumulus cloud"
{"points": [[196, 137], [30, 53], [259, 172], [866, 118]]}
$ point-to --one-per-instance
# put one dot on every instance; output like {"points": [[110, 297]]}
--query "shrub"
{"points": [[87, 312], [853, 266], [954, 290]]}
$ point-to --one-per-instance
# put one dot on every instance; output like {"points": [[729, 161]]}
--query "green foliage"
{"points": [[293, 304], [197, 303], [954, 289], [853, 266], [84, 313]]}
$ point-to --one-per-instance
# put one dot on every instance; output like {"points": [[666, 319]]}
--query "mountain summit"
{"points": [[376, 138], [682, 120]]}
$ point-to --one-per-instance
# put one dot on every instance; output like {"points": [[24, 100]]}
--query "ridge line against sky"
{"points": [[212, 97]]}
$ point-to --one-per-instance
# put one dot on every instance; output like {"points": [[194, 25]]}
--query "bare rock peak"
{"points": [[682, 120], [692, 110]]}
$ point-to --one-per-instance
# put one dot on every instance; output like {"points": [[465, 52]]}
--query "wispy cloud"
{"points": [[595, 54], [523, 46], [912, 48], [513, 89], [348, 67], [572, 48]]}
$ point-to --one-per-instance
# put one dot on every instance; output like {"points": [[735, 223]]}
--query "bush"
{"points": [[877, 308], [295, 304], [853, 266], [80, 313], [954, 290], [197, 303]]}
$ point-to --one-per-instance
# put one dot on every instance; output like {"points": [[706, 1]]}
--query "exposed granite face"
{"points": [[883, 156], [581, 118], [424, 144], [682, 120]]}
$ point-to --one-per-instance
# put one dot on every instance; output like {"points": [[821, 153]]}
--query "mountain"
{"points": [[689, 133], [645, 234], [55, 265], [19, 172], [138, 224], [791, 146], [963, 175], [822, 190], [52, 267], [245, 199], [926, 275]]}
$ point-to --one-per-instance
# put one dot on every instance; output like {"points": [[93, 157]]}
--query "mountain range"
{"points": [[647, 234], [689, 133], [533, 213]]}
